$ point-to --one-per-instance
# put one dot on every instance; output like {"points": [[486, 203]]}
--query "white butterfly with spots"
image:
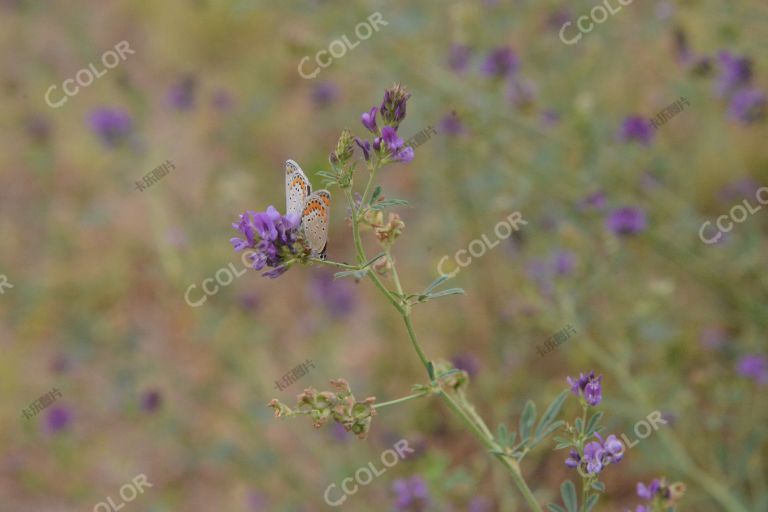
{"points": [[314, 208]]}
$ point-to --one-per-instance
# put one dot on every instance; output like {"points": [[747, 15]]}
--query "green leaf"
{"points": [[593, 423], [376, 193], [503, 435], [598, 486], [357, 274], [553, 507], [551, 428], [591, 502], [431, 371], [560, 446], [386, 203], [437, 282], [449, 291], [373, 260], [577, 424], [551, 413], [527, 418], [568, 492]]}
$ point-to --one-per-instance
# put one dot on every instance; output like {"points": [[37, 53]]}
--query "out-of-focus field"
{"points": [[151, 385]]}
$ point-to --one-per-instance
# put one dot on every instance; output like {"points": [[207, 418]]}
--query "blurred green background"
{"points": [[150, 385]]}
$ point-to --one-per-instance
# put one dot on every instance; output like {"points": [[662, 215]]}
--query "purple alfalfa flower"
{"points": [[411, 494], [393, 106], [392, 140], [451, 125], [222, 100], [754, 366], [272, 237], [58, 419], [111, 125], [588, 387], [151, 400], [324, 94], [365, 146], [628, 220], [613, 448], [181, 96], [500, 62], [593, 457], [574, 459], [748, 106], [637, 129], [648, 492], [369, 120], [394, 145], [403, 155], [458, 57], [735, 73], [558, 18], [737, 189]]}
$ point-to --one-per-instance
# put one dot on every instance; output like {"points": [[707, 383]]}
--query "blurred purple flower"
{"points": [[271, 235], [325, 93], [111, 125], [181, 96], [58, 419], [337, 296], [573, 459], [479, 504], [735, 73], [151, 400], [451, 125], [404, 155], [738, 189], [636, 129], [466, 361], [748, 106], [365, 146], [628, 220], [754, 366], [458, 57], [713, 337], [558, 18], [257, 501], [393, 141], [587, 387], [411, 494], [648, 492], [339, 433], [595, 200], [563, 262], [500, 62], [38, 128], [249, 301], [549, 118]]}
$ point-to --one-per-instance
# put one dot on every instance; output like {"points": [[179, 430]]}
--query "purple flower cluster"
{"points": [[754, 366], [411, 494], [747, 104], [182, 95], [636, 129], [387, 143], [271, 235], [587, 387], [110, 125], [500, 62], [597, 455], [659, 493], [627, 220]]}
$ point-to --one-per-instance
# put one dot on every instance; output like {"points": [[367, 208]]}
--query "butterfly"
{"points": [[313, 208]]}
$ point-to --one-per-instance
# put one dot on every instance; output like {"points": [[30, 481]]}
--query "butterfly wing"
{"points": [[297, 188], [315, 219]]}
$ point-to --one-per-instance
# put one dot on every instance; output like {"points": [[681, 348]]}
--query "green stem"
{"points": [[403, 399], [412, 336], [334, 264]]}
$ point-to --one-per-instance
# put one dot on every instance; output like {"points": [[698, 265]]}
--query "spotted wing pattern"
{"points": [[297, 188], [315, 219]]}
